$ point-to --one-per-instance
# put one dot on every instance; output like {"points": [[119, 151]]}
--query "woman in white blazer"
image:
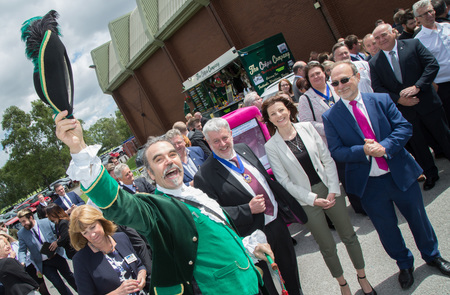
{"points": [[301, 162]]}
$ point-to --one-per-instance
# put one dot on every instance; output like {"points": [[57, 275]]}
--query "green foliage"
{"points": [[36, 156], [109, 132]]}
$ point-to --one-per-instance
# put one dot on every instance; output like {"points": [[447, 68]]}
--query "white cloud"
{"points": [[84, 26]]}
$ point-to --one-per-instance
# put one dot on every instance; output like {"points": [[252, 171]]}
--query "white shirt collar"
{"points": [[194, 194], [428, 31], [393, 49], [358, 99]]}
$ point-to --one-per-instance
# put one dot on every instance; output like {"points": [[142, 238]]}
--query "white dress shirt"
{"points": [[374, 169], [438, 43], [389, 58], [365, 83]]}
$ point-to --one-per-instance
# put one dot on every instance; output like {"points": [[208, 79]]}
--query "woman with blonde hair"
{"points": [[106, 262]]}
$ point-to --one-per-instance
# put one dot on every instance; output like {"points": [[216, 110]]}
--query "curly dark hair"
{"points": [[271, 101]]}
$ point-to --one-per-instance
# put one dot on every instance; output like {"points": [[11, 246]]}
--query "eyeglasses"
{"points": [[343, 81], [431, 12], [284, 85]]}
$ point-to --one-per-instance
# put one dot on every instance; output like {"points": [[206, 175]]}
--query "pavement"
{"points": [[381, 270]]}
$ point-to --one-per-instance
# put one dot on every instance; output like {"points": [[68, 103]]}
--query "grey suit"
{"points": [[28, 239]]}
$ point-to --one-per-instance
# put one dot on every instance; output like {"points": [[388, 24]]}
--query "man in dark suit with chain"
{"points": [[237, 180], [405, 70]]}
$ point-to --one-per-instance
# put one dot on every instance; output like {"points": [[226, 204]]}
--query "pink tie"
{"points": [[367, 131], [257, 188]]}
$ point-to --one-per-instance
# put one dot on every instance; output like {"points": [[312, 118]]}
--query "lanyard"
{"points": [[231, 166], [327, 97], [38, 236]]}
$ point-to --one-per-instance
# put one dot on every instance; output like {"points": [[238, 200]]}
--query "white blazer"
{"points": [[290, 173]]}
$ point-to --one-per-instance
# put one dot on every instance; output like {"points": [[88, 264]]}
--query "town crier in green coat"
{"points": [[195, 248]]}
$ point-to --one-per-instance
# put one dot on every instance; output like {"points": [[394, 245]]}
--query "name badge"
{"points": [[130, 258]]}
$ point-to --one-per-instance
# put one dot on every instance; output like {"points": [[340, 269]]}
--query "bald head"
{"points": [[299, 68], [384, 37]]}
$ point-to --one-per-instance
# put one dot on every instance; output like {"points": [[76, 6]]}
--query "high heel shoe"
{"points": [[344, 285], [373, 292]]}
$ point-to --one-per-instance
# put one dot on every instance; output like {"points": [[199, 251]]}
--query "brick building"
{"points": [[160, 44]]}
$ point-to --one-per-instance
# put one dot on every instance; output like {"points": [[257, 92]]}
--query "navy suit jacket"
{"points": [[198, 157], [392, 131], [27, 241], [73, 197], [94, 274], [418, 67]]}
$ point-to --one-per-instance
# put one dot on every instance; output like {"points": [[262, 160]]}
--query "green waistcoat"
{"points": [[174, 236]]}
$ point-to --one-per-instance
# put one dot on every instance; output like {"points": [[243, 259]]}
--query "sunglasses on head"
{"points": [[343, 81]]}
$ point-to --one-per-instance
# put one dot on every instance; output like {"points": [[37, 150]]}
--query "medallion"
{"points": [[247, 178]]}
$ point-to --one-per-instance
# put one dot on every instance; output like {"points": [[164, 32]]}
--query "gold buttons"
{"points": [[194, 239], [190, 262]]}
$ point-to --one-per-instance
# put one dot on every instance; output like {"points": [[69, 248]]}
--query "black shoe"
{"points": [[373, 292], [430, 182], [294, 241], [441, 264], [406, 278]]}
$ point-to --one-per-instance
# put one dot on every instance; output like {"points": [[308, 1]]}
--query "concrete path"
{"points": [[380, 268]]}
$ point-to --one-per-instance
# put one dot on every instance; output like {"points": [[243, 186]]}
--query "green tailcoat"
{"points": [[173, 235]]}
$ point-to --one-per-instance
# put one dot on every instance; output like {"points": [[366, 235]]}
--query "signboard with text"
{"points": [[267, 61]]}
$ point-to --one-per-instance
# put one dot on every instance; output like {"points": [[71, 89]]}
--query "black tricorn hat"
{"points": [[53, 79]]}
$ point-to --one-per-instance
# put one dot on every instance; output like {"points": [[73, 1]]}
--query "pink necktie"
{"points": [[367, 131], [257, 188]]}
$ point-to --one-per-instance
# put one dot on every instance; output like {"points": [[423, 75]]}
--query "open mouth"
{"points": [[172, 172]]}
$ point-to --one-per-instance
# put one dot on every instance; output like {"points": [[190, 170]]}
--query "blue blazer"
{"points": [[73, 197], [93, 273], [27, 241], [346, 142], [198, 156]]}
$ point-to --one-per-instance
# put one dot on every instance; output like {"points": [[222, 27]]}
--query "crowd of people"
{"points": [[357, 122]]}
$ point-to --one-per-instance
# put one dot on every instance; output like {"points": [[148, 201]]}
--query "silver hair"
{"points": [[172, 133], [119, 168], [250, 98], [215, 124], [347, 62], [420, 4]]}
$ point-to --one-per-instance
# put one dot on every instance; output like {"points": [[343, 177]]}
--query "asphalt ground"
{"points": [[381, 270]]}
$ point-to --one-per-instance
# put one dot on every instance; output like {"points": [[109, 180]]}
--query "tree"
{"points": [[36, 156], [109, 132]]}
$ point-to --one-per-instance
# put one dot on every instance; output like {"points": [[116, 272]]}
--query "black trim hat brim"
{"points": [[54, 81]]}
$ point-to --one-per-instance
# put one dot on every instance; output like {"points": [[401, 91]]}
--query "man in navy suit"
{"points": [[405, 70], [368, 133], [191, 157], [32, 237], [67, 201]]}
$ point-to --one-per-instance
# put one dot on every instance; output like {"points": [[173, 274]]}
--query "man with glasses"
{"points": [[406, 69], [436, 38], [368, 133]]}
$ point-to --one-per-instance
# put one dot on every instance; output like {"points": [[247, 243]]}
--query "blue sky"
{"points": [[84, 25]]}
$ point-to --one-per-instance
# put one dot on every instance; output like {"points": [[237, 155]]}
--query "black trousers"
{"points": [[444, 94], [435, 124], [280, 241], [56, 264]]}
